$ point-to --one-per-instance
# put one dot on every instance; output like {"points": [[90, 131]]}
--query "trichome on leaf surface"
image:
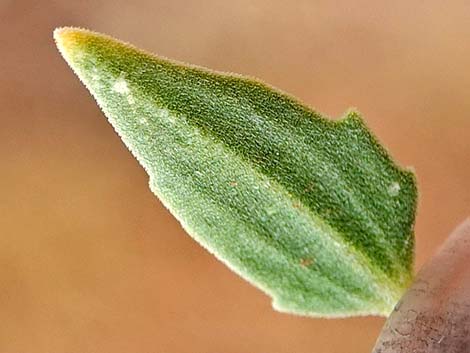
{"points": [[312, 211]]}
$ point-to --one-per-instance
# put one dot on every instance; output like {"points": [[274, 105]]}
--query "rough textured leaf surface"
{"points": [[312, 211]]}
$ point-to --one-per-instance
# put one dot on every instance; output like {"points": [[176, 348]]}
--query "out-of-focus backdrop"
{"points": [[90, 261]]}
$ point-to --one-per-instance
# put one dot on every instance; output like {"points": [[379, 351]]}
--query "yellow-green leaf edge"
{"points": [[312, 211]]}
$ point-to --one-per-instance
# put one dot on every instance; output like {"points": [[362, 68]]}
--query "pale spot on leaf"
{"points": [[394, 189], [120, 86]]}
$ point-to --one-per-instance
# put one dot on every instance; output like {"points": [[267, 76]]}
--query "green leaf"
{"points": [[314, 212]]}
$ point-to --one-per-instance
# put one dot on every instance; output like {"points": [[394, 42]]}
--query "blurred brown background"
{"points": [[90, 261]]}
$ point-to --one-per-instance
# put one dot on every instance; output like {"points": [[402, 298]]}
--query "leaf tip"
{"points": [[69, 40], [64, 39]]}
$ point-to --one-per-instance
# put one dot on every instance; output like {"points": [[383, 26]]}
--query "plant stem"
{"points": [[434, 314]]}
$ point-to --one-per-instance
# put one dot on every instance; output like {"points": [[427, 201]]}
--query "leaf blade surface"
{"points": [[312, 211]]}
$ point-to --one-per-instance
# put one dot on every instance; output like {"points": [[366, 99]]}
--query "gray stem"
{"points": [[434, 314]]}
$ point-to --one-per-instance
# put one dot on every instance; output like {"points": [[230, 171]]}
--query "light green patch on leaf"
{"points": [[312, 211]]}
